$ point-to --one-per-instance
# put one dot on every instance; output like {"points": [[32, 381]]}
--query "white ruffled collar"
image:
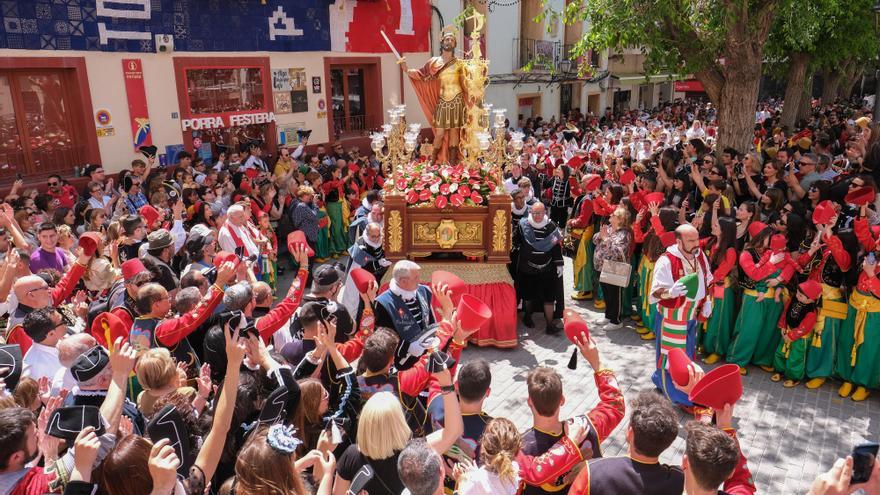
{"points": [[370, 243], [406, 295], [520, 211], [538, 225]]}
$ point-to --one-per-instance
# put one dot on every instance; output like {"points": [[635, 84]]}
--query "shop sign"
{"points": [[221, 121]]}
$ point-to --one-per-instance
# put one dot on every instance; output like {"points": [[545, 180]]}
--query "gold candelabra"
{"points": [[493, 147], [401, 140]]}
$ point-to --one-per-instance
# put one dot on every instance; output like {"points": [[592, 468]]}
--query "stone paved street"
{"points": [[788, 435]]}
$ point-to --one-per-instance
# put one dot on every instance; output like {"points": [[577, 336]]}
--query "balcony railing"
{"points": [[354, 125], [551, 56]]}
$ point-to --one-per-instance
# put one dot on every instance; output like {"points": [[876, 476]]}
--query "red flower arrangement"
{"points": [[427, 184]]}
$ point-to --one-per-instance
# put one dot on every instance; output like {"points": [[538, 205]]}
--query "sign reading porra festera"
{"points": [[221, 121]]}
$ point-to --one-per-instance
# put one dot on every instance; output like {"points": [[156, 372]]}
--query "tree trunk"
{"points": [[852, 76], [736, 111], [806, 106], [830, 82], [794, 89]]}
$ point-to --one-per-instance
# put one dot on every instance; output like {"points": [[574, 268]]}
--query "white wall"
{"points": [[107, 88]]}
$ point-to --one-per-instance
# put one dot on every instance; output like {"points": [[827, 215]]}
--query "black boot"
{"points": [[527, 316]]}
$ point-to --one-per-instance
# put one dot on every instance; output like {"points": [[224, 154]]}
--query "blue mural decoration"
{"points": [[194, 25]]}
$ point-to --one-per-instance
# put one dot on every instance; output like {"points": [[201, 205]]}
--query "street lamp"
{"points": [[876, 71]]}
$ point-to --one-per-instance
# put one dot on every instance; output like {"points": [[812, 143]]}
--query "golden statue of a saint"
{"points": [[440, 87]]}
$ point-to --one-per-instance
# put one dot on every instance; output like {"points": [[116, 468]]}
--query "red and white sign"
{"points": [[406, 22], [136, 94], [221, 121], [689, 86]]}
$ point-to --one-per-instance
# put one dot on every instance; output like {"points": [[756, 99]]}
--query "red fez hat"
{"points": [[823, 213], [678, 366], [756, 228], [91, 242], [150, 215], [131, 268], [454, 282], [472, 312], [575, 162], [556, 146], [574, 327], [811, 289], [251, 173], [861, 196], [595, 156], [627, 177], [637, 199], [362, 279], [107, 325], [224, 256], [353, 167], [721, 386], [298, 238], [667, 238], [592, 182], [778, 242], [654, 197]]}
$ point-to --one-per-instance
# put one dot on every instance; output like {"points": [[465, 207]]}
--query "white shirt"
{"points": [[254, 162], [99, 204], [62, 379], [663, 273], [41, 360], [227, 243]]}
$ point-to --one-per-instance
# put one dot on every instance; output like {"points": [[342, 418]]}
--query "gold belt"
{"points": [[771, 292], [863, 304]]}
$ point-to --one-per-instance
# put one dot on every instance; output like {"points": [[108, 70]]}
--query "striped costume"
{"points": [[676, 326]]}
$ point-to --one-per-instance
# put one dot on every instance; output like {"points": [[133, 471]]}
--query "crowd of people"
{"points": [[149, 349]]}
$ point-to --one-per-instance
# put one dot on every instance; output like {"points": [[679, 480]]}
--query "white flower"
{"points": [[453, 187], [445, 173], [435, 188]]}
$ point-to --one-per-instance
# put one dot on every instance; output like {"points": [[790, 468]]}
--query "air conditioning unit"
{"points": [[164, 43]]}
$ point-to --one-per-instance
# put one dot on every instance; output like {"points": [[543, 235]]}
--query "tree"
{"points": [[809, 35], [721, 42]]}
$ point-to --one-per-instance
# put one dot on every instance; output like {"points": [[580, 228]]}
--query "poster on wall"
{"points": [[287, 135], [281, 80], [299, 94], [282, 102], [104, 123]]}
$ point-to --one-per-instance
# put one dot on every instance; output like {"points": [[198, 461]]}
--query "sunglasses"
{"points": [[52, 184]]}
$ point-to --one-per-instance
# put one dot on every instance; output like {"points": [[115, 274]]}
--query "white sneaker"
{"points": [[601, 322], [613, 326]]}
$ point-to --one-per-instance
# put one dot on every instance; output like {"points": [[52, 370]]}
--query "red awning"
{"points": [[689, 86]]}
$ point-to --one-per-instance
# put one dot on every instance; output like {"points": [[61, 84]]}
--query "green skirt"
{"points": [[866, 371], [583, 263], [644, 308], [322, 246], [626, 297], [338, 235], [824, 349], [757, 335], [719, 328]]}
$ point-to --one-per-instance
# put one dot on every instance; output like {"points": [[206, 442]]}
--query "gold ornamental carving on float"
{"points": [[395, 231], [447, 233], [499, 231]]}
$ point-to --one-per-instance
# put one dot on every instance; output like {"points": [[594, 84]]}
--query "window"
{"points": [[221, 90], [37, 130], [348, 101]]}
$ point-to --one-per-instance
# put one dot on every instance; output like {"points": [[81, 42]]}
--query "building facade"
{"points": [[92, 80]]}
